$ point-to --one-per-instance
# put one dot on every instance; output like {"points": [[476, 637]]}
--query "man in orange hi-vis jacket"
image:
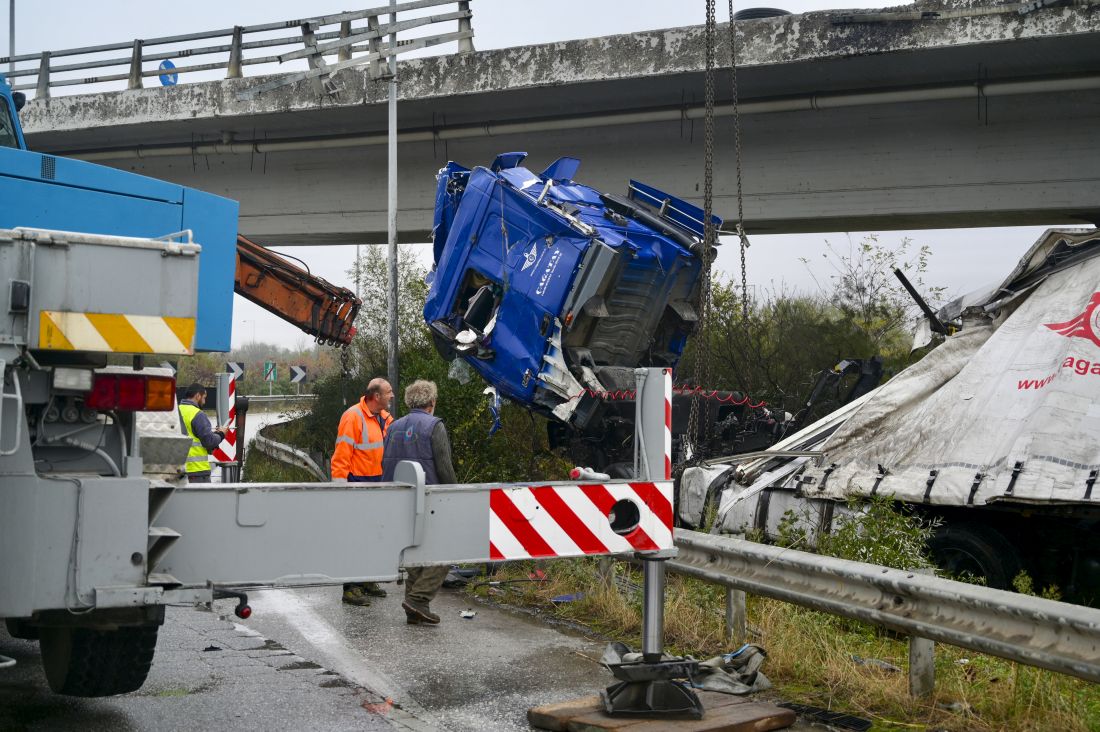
{"points": [[357, 457]]}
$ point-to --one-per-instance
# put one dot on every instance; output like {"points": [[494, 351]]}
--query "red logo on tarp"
{"points": [[1085, 325]]}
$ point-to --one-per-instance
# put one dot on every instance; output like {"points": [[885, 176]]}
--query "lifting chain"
{"points": [[740, 203], [702, 354], [345, 368]]}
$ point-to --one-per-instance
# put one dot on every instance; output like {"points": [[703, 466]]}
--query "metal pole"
{"points": [[653, 609], [11, 39], [654, 388], [391, 213]]}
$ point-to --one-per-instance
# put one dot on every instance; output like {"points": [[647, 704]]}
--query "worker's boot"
{"points": [[373, 589], [353, 595], [416, 613]]}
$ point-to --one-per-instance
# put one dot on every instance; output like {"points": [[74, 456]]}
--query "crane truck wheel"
{"points": [[93, 662], [973, 551]]}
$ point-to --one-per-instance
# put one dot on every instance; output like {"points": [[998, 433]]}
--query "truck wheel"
{"points": [[973, 550], [21, 629], [91, 662]]}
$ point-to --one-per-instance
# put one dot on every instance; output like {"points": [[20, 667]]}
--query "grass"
{"points": [[259, 468], [810, 654]]}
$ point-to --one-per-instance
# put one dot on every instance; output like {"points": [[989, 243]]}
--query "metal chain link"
{"points": [[345, 367], [740, 202], [702, 354]]}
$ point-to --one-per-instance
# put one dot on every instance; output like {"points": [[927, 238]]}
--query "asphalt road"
{"points": [[475, 674], [208, 673], [304, 660]]}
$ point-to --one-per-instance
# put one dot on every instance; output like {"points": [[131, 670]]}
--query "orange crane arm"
{"points": [[318, 307]]}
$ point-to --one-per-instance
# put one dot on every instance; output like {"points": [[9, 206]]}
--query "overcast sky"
{"points": [[962, 259]]}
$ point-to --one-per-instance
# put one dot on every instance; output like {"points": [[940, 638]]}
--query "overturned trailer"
{"points": [[996, 433]]}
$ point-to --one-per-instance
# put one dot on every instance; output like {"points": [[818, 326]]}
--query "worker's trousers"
{"points": [[423, 583]]}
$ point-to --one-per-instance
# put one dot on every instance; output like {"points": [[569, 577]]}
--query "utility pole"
{"points": [[391, 214], [11, 40]]}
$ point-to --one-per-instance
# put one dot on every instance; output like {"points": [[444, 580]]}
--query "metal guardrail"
{"points": [[1030, 630], [313, 44], [287, 454], [268, 398]]}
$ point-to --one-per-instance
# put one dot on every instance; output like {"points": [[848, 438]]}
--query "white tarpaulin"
{"points": [[1003, 411]]}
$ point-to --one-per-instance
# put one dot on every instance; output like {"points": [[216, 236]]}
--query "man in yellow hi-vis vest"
{"points": [[204, 437]]}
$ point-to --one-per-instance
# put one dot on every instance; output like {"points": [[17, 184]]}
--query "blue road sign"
{"points": [[169, 79]]}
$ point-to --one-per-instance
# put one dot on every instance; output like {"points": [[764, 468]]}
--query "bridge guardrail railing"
{"points": [[346, 38], [1022, 628]]}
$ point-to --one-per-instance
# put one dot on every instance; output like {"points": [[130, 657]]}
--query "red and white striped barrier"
{"points": [[226, 452], [573, 520]]}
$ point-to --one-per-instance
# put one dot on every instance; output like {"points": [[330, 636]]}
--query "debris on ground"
{"points": [[875, 663], [734, 673], [833, 719], [467, 613], [573, 597]]}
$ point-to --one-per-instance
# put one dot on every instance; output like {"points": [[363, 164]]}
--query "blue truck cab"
{"points": [[554, 292], [48, 192]]}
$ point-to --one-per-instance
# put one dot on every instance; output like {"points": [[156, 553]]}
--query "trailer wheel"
{"points": [[977, 551], [21, 629], [92, 662]]}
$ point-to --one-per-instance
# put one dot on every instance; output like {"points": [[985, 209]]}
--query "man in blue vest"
{"points": [[421, 437], [204, 437]]}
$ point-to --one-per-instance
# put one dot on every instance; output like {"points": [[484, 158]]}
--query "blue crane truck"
{"points": [[98, 532], [95, 262]]}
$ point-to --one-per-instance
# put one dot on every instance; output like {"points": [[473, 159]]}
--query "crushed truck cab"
{"points": [[554, 292]]}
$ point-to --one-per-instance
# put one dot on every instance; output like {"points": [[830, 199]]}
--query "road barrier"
{"points": [[287, 454], [1022, 628], [344, 41]]}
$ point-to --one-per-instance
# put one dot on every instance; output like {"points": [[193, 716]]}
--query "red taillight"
{"points": [[131, 393], [104, 393]]}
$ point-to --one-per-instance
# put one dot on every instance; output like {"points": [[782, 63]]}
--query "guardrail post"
{"points": [[235, 71], [135, 66], [465, 25], [42, 89], [736, 617], [922, 660], [344, 54]]}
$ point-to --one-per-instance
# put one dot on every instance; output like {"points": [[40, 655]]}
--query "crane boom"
{"points": [[315, 305]]}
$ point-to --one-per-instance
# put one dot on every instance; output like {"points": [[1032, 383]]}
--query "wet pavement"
{"points": [[304, 660], [207, 674], [475, 674]]}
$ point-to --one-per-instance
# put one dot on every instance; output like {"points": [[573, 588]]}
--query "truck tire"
{"points": [[21, 629], [92, 662], [967, 549]]}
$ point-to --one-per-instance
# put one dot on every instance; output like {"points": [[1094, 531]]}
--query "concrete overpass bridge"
{"points": [[935, 117]]}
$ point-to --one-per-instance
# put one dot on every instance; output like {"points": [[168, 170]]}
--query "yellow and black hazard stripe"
{"points": [[115, 333]]}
